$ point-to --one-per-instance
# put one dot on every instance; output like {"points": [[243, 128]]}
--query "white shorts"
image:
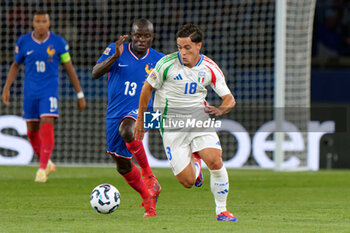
{"points": [[179, 147]]}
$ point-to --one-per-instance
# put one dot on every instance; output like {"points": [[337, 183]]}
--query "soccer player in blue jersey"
{"points": [[128, 65], [41, 51]]}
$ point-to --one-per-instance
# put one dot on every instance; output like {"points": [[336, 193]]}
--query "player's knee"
{"points": [[187, 184], [215, 164], [124, 166], [126, 130], [126, 135], [123, 169]]}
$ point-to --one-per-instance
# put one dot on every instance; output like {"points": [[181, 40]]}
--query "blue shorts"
{"points": [[115, 143], [36, 107]]}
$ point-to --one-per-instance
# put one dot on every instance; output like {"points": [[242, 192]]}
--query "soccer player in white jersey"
{"points": [[180, 79]]}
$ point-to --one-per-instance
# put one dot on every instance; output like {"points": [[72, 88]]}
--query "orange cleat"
{"points": [[226, 216], [150, 207]]}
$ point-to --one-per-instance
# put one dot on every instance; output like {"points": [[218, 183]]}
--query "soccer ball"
{"points": [[105, 198]]}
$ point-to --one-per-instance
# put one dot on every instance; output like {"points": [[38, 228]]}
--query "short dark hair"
{"points": [[143, 23], [41, 12], [190, 30]]}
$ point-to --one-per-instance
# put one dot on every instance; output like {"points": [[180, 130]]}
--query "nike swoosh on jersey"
{"points": [[30, 52], [121, 65]]}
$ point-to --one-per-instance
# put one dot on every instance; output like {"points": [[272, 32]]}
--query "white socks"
{"points": [[219, 187], [197, 169]]}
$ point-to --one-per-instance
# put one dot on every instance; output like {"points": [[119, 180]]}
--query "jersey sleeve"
{"points": [[218, 82], [159, 73], [154, 79], [63, 50], [19, 51], [64, 47], [109, 51]]}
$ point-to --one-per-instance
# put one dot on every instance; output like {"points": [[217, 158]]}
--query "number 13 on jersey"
{"points": [[130, 88]]}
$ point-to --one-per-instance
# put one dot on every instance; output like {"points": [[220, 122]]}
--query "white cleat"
{"points": [[51, 167], [41, 176]]}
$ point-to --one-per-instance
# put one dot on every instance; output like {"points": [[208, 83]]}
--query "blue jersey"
{"points": [[126, 78], [41, 61]]}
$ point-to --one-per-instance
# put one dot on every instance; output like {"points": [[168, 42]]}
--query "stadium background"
{"points": [[239, 36]]}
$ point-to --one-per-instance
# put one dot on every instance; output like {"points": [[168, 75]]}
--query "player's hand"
{"points": [[81, 104], [139, 131], [5, 97], [119, 45], [212, 110]]}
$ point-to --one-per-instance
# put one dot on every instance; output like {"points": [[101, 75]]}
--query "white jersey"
{"points": [[179, 86]]}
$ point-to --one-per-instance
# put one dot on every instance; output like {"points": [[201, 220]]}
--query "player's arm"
{"points": [[145, 96], [73, 77], [5, 97], [220, 87], [228, 102], [105, 66]]}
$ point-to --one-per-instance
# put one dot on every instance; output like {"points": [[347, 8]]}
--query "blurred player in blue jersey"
{"points": [[128, 65], [41, 51]]}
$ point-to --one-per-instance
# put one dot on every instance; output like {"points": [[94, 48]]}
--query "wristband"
{"points": [[80, 95]]}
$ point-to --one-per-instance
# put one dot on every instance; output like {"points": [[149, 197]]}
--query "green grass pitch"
{"points": [[264, 201]]}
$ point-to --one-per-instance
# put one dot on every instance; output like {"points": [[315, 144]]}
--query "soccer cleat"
{"points": [[41, 176], [150, 207], [51, 167], [153, 186], [226, 216], [154, 189], [197, 162]]}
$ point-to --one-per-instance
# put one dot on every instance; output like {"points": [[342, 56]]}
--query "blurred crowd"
{"points": [[332, 29]]}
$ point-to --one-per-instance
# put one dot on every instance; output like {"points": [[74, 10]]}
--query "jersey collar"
{"points": [[198, 63], [129, 48], [40, 42]]}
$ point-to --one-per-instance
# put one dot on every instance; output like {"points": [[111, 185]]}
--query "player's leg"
{"points": [[179, 155], [31, 113], [48, 111], [187, 177], [34, 136], [33, 133], [126, 129], [189, 174], [211, 153], [219, 183], [47, 140], [32, 117], [132, 174], [198, 167]]}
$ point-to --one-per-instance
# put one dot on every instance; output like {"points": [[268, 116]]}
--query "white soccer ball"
{"points": [[105, 198]]}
